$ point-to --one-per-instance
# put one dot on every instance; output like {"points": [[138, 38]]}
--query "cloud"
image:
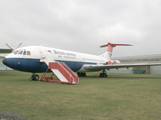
{"points": [[82, 25], [118, 31]]}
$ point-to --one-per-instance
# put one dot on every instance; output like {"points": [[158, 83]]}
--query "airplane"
{"points": [[35, 59]]}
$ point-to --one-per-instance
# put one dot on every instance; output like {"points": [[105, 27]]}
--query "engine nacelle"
{"points": [[113, 62], [116, 62]]}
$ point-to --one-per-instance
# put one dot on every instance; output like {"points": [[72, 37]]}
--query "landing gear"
{"points": [[35, 77], [104, 74], [81, 74]]}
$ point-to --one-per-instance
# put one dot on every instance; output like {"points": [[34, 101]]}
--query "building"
{"points": [[156, 58]]}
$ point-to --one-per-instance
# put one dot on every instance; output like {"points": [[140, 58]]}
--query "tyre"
{"points": [[35, 77]]}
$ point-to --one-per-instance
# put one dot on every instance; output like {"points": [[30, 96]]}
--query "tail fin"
{"points": [[108, 53]]}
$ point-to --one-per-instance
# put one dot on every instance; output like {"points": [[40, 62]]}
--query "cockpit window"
{"points": [[24, 52], [20, 52], [28, 53], [15, 52]]}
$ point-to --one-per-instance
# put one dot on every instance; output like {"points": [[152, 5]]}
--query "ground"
{"points": [[120, 97]]}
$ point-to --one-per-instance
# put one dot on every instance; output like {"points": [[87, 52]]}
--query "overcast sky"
{"points": [[83, 25]]}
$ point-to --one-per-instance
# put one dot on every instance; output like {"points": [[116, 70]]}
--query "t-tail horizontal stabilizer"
{"points": [[108, 53]]}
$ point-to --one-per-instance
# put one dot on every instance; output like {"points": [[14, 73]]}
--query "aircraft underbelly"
{"points": [[27, 65]]}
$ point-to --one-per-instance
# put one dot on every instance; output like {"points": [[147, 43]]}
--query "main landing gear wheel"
{"points": [[81, 74], [35, 77], [103, 75]]}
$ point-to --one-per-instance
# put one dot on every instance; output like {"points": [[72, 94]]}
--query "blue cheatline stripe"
{"points": [[35, 66]]}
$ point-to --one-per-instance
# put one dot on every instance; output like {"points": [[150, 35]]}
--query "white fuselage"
{"points": [[35, 58]]}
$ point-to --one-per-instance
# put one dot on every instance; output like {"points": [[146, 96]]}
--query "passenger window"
{"points": [[24, 53], [28, 53], [50, 51]]}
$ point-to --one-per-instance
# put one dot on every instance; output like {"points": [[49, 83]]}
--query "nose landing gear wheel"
{"points": [[35, 77]]}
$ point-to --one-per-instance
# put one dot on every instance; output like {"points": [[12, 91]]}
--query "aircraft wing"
{"points": [[4, 50], [117, 66]]}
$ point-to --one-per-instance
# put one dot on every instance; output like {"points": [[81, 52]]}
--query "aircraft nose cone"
{"points": [[4, 61]]}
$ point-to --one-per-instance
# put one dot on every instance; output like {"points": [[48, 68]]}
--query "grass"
{"points": [[120, 97]]}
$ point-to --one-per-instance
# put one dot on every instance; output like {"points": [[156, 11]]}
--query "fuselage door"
{"points": [[43, 55]]}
